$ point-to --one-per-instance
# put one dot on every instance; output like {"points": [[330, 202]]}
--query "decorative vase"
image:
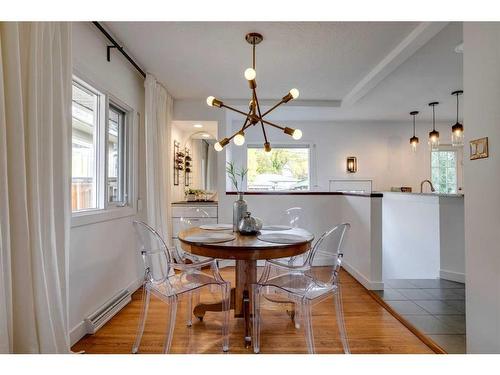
{"points": [[249, 225], [239, 209]]}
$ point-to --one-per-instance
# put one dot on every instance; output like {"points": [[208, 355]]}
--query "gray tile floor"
{"points": [[436, 307]]}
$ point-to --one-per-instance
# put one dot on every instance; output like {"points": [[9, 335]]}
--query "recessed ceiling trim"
{"points": [[424, 32], [294, 103]]}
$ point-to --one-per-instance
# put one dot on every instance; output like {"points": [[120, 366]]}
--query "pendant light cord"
{"points": [[457, 107], [433, 119], [414, 125]]}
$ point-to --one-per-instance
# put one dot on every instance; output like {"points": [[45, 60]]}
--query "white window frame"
{"points": [[126, 156], [312, 161], [111, 210], [447, 148]]}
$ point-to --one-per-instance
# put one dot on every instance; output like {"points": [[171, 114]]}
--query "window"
{"points": [[444, 170], [85, 113], [284, 168], [99, 150], [116, 155]]}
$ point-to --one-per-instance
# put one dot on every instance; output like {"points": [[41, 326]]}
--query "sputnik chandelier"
{"points": [[254, 115]]}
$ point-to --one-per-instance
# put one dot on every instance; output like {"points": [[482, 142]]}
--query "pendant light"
{"points": [[434, 134], [414, 139], [254, 115], [457, 130]]}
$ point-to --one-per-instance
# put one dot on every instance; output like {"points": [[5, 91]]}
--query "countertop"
{"points": [[425, 194], [202, 203]]}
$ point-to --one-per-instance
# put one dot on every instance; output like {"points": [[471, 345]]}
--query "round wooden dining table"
{"points": [[245, 250]]}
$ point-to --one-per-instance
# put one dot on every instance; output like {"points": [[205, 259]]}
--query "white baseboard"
{"points": [[77, 333], [452, 276], [368, 284], [80, 330]]}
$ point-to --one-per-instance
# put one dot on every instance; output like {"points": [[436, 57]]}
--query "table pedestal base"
{"points": [[246, 275]]}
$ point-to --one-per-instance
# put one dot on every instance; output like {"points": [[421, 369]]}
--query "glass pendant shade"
{"points": [[414, 143], [434, 139], [457, 135], [414, 139], [434, 134], [457, 130]]}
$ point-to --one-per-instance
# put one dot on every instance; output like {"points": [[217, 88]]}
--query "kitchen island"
{"points": [[423, 236]]}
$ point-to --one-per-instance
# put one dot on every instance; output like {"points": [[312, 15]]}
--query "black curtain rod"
{"points": [[119, 48]]}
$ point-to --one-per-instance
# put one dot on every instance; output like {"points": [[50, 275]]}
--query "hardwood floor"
{"points": [[370, 328]]}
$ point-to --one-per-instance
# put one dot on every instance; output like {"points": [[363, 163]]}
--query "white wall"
{"points": [[103, 256], [482, 179], [382, 150]]}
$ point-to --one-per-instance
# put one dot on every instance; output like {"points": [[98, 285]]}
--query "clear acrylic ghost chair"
{"points": [[306, 285], [170, 287], [193, 217], [293, 217]]}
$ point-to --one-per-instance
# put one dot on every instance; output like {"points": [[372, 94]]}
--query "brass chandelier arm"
{"points": [[250, 117], [260, 116], [273, 108]]}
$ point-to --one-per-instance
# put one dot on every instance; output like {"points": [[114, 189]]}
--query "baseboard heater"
{"points": [[107, 311]]}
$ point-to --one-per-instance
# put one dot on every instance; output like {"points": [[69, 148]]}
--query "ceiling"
{"points": [[373, 71], [193, 129]]}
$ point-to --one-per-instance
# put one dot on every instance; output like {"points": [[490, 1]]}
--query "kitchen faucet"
{"points": [[422, 186]]}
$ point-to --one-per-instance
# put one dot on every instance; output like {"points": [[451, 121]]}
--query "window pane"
{"points": [[280, 169], [116, 162], [84, 150], [444, 171]]}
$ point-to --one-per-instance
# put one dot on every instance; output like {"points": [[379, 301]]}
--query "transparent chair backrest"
{"points": [[325, 258], [292, 216], [192, 216], [154, 252]]}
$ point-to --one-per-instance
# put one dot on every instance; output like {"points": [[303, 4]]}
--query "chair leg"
{"points": [[306, 314], [256, 318], [189, 312], [172, 307], [340, 320], [296, 317], [142, 320], [226, 306]]}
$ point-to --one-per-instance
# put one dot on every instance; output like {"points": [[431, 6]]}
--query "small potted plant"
{"points": [[191, 194], [240, 206]]}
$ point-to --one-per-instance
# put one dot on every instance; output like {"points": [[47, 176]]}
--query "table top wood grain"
{"points": [[245, 247]]}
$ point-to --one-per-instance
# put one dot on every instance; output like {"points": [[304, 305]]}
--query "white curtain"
{"points": [[159, 107], [35, 129]]}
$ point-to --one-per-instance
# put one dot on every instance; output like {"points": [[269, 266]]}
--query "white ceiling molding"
{"points": [[292, 103], [424, 32]]}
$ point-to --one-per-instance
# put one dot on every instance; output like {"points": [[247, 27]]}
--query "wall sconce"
{"points": [[352, 164]]}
